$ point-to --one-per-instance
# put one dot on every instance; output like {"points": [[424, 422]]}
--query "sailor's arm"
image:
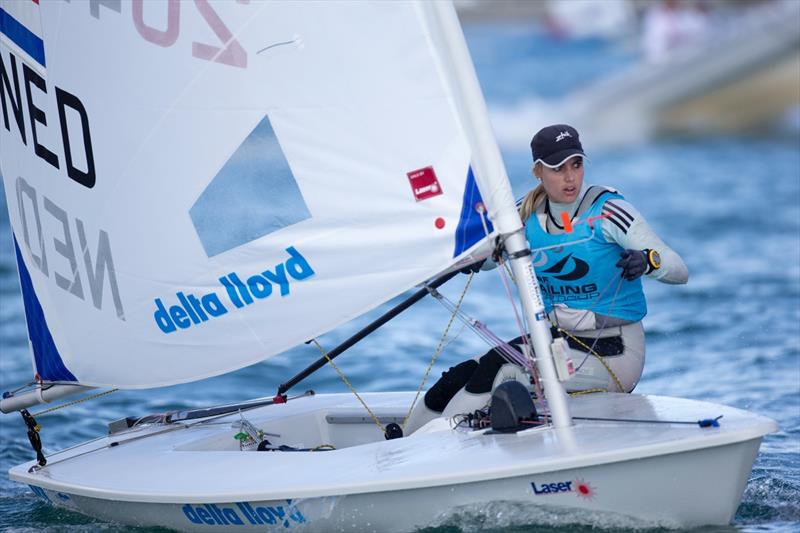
{"points": [[623, 224]]}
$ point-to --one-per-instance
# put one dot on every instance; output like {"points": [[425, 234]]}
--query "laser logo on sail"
{"points": [[424, 183]]}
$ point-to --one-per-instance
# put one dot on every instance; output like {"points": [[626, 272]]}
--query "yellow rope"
{"points": [[586, 391], [599, 358], [349, 385], [438, 348], [427, 372], [74, 402]]}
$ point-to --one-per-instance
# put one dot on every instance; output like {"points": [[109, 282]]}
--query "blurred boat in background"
{"points": [[743, 76], [701, 67]]}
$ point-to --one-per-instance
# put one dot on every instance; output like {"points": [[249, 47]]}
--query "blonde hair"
{"points": [[532, 200]]}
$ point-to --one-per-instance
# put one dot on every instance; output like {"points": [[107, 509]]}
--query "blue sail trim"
{"points": [[49, 365], [470, 228], [22, 36]]}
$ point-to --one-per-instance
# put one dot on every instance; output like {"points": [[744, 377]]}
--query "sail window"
{"points": [[253, 195]]}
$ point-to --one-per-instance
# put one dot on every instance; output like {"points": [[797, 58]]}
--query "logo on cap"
{"points": [[563, 135]]}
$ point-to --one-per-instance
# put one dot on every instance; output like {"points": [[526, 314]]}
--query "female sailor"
{"points": [[590, 248]]}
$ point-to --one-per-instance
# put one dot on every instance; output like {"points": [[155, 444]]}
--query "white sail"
{"points": [[196, 186]]}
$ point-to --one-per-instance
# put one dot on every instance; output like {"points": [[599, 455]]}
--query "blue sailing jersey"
{"points": [[584, 275]]}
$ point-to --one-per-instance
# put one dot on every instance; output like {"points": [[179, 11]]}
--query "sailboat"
{"points": [[194, 187]]}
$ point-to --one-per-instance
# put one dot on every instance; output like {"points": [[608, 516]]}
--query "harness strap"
{"points": [[592, 195], [591, 351], [603, 346]]}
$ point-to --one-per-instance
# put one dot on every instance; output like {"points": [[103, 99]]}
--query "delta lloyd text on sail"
{"points": [[192, 309]]}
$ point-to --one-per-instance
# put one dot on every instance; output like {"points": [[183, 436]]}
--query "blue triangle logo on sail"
{"points": [[470, 227], [253, 195], [48, 361]]}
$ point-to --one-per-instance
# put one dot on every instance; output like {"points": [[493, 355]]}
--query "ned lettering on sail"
{"points": [[46, 226], [68, 107], [192, 309]]}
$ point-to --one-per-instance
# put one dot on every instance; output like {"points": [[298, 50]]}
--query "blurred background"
{"points": [[692, 110], [676, 68]]}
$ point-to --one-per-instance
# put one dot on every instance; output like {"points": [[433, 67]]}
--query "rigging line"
{"points": [[597, 337], [349, 385], [590, 349], [74, 402], [565, 244], [705, 422], [586, 391], [21, 388], [548, 296], [527, 348], [508, 351], [439, 347], [456, 336], [487, 335], [605, 317], [167, 427], [41, 385], [111, 444], [367, 330], [600, 295], [482, 331], [481, 209], [528, 352]]}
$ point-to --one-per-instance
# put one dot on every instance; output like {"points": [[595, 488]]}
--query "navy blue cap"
{"points": [[555, 144]]}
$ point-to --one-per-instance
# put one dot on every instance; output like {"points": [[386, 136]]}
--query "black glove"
{"points": [[473, 268], [633, 264]]}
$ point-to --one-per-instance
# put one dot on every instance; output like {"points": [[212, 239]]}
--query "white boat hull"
{"points": [[618, 473]]}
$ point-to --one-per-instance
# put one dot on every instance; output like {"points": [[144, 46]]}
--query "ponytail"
{"points": [[531, 201]]}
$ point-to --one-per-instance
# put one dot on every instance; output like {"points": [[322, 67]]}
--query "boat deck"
{"points": [[173, 463]]}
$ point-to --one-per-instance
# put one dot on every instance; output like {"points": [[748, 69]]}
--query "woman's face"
{"points": [[562, 184]]}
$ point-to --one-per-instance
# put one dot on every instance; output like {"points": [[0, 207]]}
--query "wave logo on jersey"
{"points": [[567, 270]]}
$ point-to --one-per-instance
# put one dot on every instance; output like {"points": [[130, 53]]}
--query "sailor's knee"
{"points": [[484, 375], [449, 384]]}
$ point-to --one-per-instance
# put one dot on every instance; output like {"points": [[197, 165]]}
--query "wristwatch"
{"points": [[653, 260]]}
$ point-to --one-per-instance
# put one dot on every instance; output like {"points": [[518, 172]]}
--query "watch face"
{"points": [[655, 259]]}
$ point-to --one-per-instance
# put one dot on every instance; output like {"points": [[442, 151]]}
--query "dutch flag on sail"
{"points": [[21, 30]]}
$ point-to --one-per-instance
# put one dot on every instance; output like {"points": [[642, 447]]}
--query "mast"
{"points": [[495, 188]]}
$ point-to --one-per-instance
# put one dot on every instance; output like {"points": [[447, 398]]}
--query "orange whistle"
{"points": [[566, 221]]}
